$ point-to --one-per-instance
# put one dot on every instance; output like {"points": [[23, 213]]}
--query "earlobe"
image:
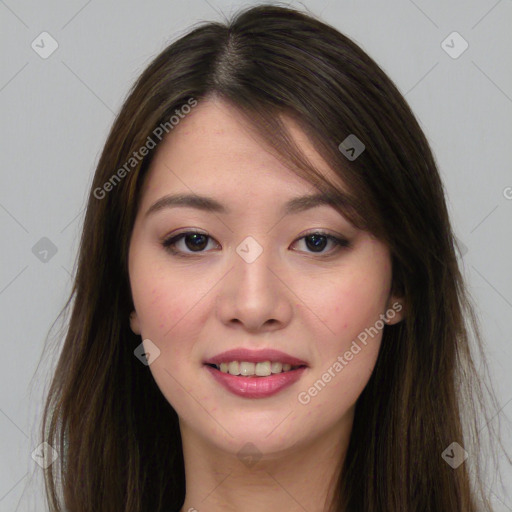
{"points": [[395, 311], [134, 322]]}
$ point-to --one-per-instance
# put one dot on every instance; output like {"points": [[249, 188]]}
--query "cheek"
{"points": [[349, 335], [347, 307], [163, 300], [171, 311], [165, 309], [335, 389], [347, 352]]}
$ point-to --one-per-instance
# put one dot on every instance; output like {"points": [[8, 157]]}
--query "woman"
{"points": [[268, 311]]}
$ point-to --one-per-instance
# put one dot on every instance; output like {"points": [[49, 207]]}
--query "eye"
{"points": [[318, 240], [197, 242], [194, 240]]}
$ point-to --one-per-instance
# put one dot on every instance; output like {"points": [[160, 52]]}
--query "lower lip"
{"points": [[256, 387]]}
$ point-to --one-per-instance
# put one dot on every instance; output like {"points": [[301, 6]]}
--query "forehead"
{"points": [[214, 148]]}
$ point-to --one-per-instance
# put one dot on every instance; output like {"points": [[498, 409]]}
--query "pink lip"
{"points": [[256, 387], [255, 356]]}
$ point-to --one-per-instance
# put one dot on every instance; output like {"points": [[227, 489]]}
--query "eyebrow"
{"points": [[209, 204]]}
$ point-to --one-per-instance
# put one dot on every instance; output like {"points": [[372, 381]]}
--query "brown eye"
{"points": [[193, 241], [317, 241], [196, 241]]}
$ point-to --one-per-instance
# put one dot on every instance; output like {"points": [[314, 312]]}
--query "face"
{"points": [[255, 278]]}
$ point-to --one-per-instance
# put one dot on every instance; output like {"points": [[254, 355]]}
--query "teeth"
{"points": [[263, 369], [276, 367], [234, 368], [247, 368]]}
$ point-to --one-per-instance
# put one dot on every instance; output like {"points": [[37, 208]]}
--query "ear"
{"points": [[395, 310], [134, 322]]}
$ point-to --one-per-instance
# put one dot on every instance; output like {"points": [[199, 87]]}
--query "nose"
{"points": [[255, 296]]}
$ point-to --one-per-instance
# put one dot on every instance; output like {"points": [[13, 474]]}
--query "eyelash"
{"points": [[169, 243]]}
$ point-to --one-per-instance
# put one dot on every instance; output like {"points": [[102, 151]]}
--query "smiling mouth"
{"points": [[249, 369]]}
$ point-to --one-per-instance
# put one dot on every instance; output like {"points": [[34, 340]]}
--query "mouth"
{"points": [[255, 373]]}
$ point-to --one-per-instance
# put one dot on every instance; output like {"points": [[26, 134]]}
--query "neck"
{"points": [[299, 478]]}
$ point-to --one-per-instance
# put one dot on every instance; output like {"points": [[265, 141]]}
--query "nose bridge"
{"points": [[255, 266], [253, 270], [252, 292]]}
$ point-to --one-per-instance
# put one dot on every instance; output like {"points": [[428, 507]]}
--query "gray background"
{"points": [[56, 113]]}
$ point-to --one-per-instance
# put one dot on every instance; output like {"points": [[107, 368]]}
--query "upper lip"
{"points": [[255, 356]]}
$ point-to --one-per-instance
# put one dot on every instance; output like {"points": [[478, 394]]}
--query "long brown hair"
{"points": [[105, 414]]}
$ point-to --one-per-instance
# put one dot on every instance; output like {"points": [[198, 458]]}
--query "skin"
{"points": [[309, 304]]}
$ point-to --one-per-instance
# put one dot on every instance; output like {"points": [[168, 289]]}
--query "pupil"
{"points": [[194, 237], [319, 241]]}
